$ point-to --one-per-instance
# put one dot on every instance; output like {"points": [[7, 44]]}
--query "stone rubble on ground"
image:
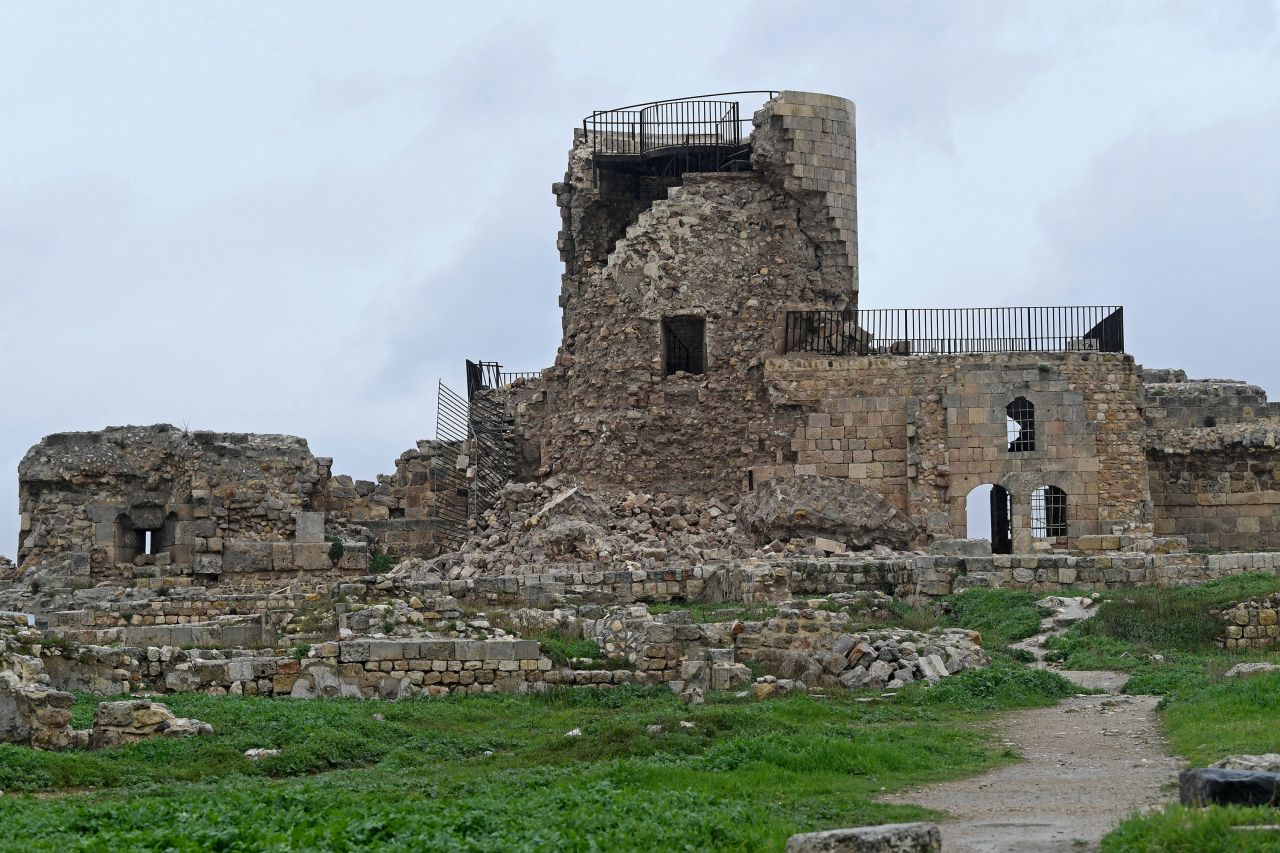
{"points": [[129, 721], [1268, 762], [886, 838], [1244, 670], [259, 753]]}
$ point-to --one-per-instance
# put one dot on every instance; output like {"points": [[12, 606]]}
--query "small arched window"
{"points": [[1048, 512], [1020, 425]]}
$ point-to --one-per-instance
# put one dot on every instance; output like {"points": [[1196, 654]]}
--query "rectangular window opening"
{"points": [[684, 345]]}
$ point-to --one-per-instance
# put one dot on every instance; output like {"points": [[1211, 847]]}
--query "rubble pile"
{"points": [[884, 659], [541, 524], [553, 523]]}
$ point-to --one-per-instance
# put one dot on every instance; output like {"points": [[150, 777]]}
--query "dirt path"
{"points": [[1089, 762]]}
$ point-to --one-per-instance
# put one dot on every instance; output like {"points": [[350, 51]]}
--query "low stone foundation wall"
{"points": [[907, 577], [1252, 624], [359, 668]]}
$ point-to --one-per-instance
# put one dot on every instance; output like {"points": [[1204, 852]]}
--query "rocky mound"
{"points": [[830, 507]]}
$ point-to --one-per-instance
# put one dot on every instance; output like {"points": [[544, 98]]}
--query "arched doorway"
{"points": [[989, 515]]}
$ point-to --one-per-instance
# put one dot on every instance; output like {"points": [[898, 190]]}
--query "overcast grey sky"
{"points": [[295, 217]]}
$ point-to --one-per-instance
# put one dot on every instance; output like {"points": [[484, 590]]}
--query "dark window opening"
{"points": [[684, 345], [1048, 512], [1001, 520], [1020, 423]]}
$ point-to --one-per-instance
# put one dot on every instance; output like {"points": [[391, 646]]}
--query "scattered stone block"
{"points": [[118, 723], [1208, 786], [886, 838]]}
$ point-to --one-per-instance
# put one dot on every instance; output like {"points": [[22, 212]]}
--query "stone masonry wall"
{"points": [[1251, 624], [209, 501], [1175, 402], [735, 249], [401, 510], [925, 430], [907, 577], [804, 142], [1218, 486]]}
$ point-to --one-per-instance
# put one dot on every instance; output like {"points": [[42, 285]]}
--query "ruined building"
{"points": [[713, 346]]}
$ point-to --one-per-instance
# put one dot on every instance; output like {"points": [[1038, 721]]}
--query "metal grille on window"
{"points": [[1021, 424], [683, 345], [1048, 512]]}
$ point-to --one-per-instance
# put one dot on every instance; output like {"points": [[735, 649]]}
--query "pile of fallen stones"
{"points": [[889, 659], [438, 617], [556, 523], [550, 523], [118, 723]]}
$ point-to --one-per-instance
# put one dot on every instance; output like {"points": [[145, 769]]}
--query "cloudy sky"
{"points": [[297, 217]]}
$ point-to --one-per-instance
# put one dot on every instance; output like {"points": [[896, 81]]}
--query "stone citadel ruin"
{"points": [[722, 423]]}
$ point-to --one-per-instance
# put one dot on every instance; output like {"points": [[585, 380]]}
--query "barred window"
{"points": [[1048, 512], [1020, 423]]}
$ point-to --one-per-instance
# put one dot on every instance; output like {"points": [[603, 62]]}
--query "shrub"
{"points": [[380, 563]]}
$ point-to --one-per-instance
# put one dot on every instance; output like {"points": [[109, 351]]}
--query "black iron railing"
{"points": [[714, 121], [922, 331], [453, 415], [489, 374]]}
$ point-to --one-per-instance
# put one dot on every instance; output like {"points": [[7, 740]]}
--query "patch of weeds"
{"points": [[1020, 655], [1001, 616], [336, 550], [1172, 618], [999, 686], [561, 650], [380, 563], [1206, 830]]}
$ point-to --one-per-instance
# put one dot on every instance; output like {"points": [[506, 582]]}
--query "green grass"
{"points": [[1164, 638], [1182, 830], [1002, 616], [1177, 618], [498, 772]]}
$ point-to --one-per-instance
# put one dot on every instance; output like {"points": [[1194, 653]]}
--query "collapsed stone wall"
{"points": [[204, 502], [1251, 624], [925, 430], [1218, 486], [1172, 402], [736, 250], [401, 511]]}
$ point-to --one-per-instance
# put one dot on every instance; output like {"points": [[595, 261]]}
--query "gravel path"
{"points": [[1089, 763]]}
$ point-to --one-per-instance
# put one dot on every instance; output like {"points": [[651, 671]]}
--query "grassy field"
{"points": [[499, 772], [1164, 637]]}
